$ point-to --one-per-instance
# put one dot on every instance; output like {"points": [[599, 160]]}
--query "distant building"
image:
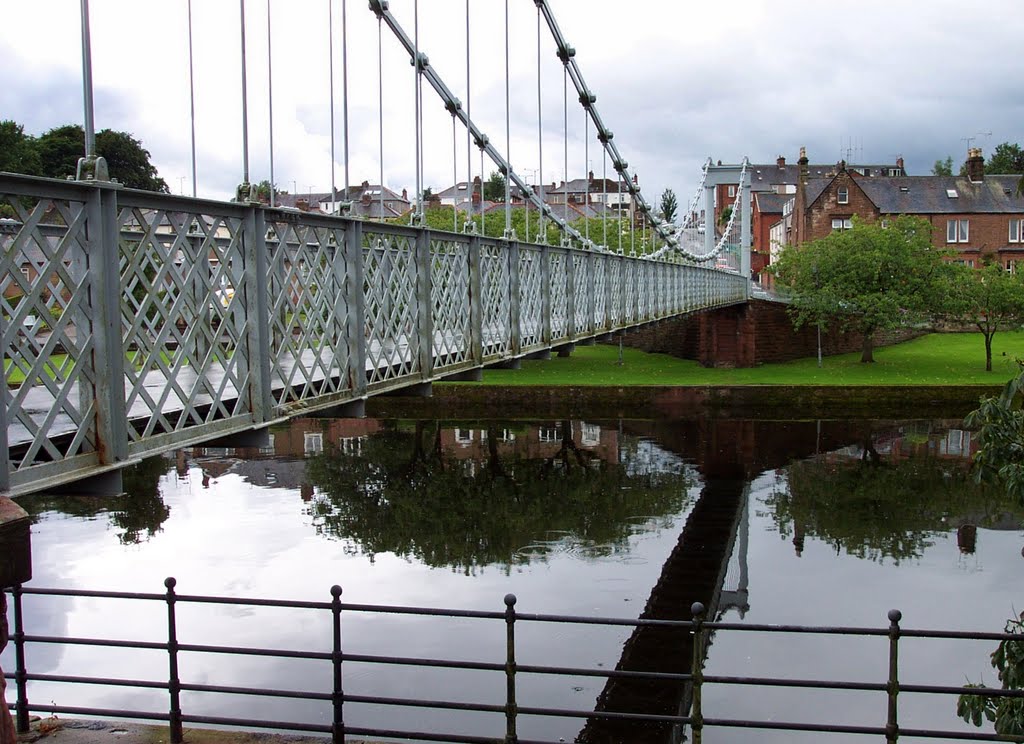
{"points": [[977, 215]]}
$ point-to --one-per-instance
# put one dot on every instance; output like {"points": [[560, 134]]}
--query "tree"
{"points": [[1000, 424], [867, 279], [1006, 158], [17, 150], [988, 298], [669, 205], [494, 187], [60, 148], [1005, 713], [723, 219], [943, 167]]}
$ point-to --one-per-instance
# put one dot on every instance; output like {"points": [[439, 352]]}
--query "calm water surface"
{"points": [[825, 523]]}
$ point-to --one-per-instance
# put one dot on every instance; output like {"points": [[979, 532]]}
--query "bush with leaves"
{"points": [[1005, 713], [1000, 424]]}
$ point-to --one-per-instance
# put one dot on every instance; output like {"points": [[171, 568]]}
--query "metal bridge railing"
{"points": [[331, 652], [133, 322]]}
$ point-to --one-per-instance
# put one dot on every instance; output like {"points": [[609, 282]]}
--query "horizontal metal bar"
{"points": [[819, 629], [818, 684], [284, 603], [988, 692], [101, 712], [227, 690], [418, 703], [959, 634], [413, 661], [610, 715], [793, 726], [247, 651], [427, 611], [959, 735], [148, 684], [88, 593], [608, 673], [104, 642]]}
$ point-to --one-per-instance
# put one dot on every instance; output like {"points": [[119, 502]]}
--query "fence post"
{"points": [[257, 310], [510, 669], [337, 695], [173, 682], [476, 313], [570, 294], [355, 302], [515, 324], [424, 303], [892, 728], [20, 671], [545, 295], [697, 671]]}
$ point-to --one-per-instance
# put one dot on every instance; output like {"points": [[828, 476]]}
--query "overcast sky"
{"points": [[676, 82]]}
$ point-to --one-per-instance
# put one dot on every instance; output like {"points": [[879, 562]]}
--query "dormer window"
{"points": [[844, 195]]}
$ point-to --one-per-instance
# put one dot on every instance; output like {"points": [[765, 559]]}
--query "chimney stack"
{"points": [[975, 165], [803, 162], [405, 195], [899, 162], [780, 161], [590, 176]]}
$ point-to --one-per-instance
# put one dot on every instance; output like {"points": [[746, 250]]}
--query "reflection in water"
{"points": [[581, 518], [470, 497], [889, 496]]}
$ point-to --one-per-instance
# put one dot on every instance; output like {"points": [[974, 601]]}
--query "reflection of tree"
{"points": [[405, 496], [140, 511], [1005, 713], [877, 509]]}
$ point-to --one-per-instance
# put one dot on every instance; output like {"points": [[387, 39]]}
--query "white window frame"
{"points": [[312, 442], [842, 223], [843, 195], [958, 231], [1015, 231], [732, 191], [1011, 266], [463, 436]]}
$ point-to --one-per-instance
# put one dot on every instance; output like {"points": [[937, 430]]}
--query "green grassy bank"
{"points": [[935, 359]]}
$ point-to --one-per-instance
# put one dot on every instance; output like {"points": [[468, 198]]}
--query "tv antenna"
{"points": [[971, 139]]}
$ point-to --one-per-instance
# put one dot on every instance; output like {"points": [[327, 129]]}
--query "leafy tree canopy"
{"points": [[866, 279], [988, 298], [1000, 424], [1006, 714], [1006, 158], [494, 187], [55, 154], [943, 167]]}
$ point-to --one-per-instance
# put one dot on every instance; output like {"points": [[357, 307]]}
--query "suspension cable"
{"points": [[508, 139], [192, 97], [586, 171], [417, 213], [330, 83], [380, 110], [344, 94], [565, 140], [245, 108], [542, 232], [270, 104], [455, 176], [469, 142]]}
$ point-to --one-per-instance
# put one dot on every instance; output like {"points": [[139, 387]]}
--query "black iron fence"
{"points": [[698, 629]]}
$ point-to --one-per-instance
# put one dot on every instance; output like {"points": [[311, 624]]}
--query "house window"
{"points": [[844, 195], [1011, 266], [1016, 231], [732, 191], [842, 223], [895, 172], [957, 231], [312, 442], [590, 435], [549, 434], [463, 436]]}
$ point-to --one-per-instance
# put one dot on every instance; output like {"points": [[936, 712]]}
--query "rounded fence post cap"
{"points": [[170, 582], [697, 609], [510, 600], [895, 616], [335, 591]]}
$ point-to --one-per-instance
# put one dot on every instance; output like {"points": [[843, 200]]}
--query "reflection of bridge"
{"points": [[135, 322]]}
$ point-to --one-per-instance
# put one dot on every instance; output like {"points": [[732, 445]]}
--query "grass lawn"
{"points": [[936, 359]]}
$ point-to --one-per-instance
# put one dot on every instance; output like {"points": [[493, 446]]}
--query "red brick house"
{"points": [[975, 215]]}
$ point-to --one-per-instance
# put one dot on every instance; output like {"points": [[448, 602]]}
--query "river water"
{"points": [[812, 522]]}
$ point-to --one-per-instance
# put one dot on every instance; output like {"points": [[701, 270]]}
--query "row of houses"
{"points": [[977, 216], [581, 197]]}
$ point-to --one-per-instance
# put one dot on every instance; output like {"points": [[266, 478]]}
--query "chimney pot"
{"points": [[899, 163], [590, 176], [975, 165], [366, 184], [780, 161]]}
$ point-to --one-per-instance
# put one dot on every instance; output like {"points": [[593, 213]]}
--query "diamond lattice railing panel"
{"points": [[600, 289], [531, 304], [629, 292], [307, 287], [389, 286], [581, 288], [494, 293], [614, 279], [183, 318], [559, 299], [449, 301], [47, 330]]}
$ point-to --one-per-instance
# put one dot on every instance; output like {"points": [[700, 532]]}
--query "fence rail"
{"points": [[135, 322], [332, 652]]}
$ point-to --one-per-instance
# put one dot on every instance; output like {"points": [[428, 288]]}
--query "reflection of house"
{"points": [[537, 441]]}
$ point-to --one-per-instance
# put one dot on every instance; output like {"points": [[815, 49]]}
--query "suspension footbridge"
{"points": [[134, 322]]}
